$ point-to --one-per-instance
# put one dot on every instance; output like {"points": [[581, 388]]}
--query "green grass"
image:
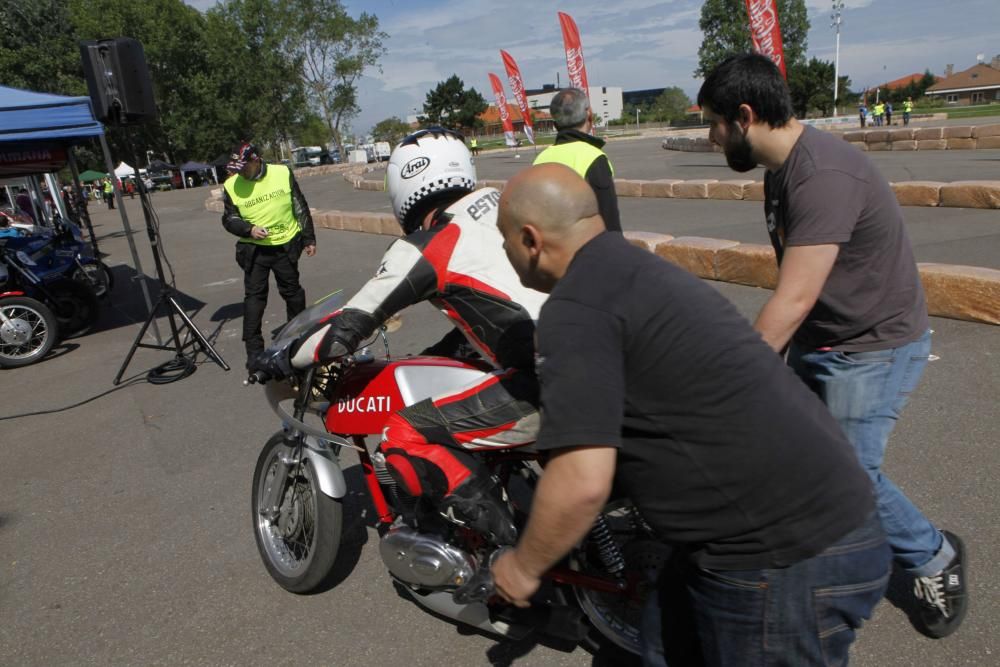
{"points": [[975, 112]]}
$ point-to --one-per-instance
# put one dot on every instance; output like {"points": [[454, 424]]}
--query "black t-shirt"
{"points": [[829, 192], [721, 446]]}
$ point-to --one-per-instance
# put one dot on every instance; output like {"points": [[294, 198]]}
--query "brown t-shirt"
{"points": [[828, 191]]}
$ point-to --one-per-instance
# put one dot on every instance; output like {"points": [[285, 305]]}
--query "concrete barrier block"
{"points": [[747, 264], [663, 187], [957, 144], [215, 193], [628, 188], [647, 240], [901, 134], [924, 133], [694, 254], [971, 194], [879, 146], [982, 131], [860, 145], [727, 190], [962, 292], [854, 135], [877, 136], [918, 193], [958, 132], [328, 220], [904, 145], [694, 189], [496, 184], [214, 205], [388, 226], [931, 144], [371, 223], [372, 186], [754, 191], [988, 142]]}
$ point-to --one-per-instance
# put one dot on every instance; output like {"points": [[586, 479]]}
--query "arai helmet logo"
{"points": [[414, 166]]}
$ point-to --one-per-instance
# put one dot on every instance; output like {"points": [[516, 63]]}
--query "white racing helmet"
{"points": [[426, 170]]}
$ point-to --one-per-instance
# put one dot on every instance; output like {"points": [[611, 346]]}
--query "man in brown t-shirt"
{"points": [[848, 306]]}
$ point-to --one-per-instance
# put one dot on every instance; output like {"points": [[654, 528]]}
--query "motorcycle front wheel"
{"points": [[76, 307], [98, 276], [28, 330], [297, 540]]}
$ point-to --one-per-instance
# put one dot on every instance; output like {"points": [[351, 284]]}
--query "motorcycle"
{"points": [[28, 328], [34, 269], [594, 597]]}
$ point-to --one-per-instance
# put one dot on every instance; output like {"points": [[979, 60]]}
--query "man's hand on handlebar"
{"points": [[270, 364]]}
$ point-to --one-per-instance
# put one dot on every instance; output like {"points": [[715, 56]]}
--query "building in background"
{"points": [[980, 84], [605, 101]]}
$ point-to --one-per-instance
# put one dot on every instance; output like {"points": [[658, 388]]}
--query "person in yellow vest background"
{"points": [[579, 150], [907, 110], [265, 208], [474, 145]]}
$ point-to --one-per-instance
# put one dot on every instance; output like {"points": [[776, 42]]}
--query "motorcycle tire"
{"points": [[98, 276], [299, 545], [28, 330], [75, 306]]}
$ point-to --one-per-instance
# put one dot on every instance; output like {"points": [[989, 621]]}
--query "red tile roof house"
{"points": [[977, 85]]}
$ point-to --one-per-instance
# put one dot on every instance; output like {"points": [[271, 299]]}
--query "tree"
{"points": [[726, 27], [811, 87], [452, 105], [391, 129], [335, 50], [671, 105], [38, 47]]}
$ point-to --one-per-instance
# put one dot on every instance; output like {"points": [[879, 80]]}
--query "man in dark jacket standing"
{"points": [[266, 210], [579, 150]]}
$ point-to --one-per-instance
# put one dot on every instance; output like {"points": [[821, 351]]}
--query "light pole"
{"points": [[637, 119], [838, 8]]}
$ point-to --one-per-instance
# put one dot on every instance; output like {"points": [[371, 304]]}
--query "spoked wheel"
{"points": [[28, 330], [298, 534], [617, 617], [75, 306], [98, 276]]}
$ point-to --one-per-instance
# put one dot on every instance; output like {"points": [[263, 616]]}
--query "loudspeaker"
{"points": [[118, 81]]}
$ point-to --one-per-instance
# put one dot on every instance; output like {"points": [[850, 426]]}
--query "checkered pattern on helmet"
{"points": [[430, 188]]}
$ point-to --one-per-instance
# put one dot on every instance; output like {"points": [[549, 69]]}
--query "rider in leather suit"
{"points": [[452, 255]]}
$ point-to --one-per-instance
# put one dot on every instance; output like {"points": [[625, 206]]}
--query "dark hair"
{"points": [[751, 79]]}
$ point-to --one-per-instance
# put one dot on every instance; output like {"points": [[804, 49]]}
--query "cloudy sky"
{"points": [[643, 43]]}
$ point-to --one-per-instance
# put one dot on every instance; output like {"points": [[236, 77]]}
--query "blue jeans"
{"points": [[801, 615], [866, 392]]}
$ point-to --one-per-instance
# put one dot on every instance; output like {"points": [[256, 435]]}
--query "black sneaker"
{"points": [[942, 596]]}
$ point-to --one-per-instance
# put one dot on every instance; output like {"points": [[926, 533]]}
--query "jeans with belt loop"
{"points": [[866, 392]]}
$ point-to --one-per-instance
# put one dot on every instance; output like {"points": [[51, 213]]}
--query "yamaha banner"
{"points": [[574, 53], [501, 98], [517, 88], [765, 32]]}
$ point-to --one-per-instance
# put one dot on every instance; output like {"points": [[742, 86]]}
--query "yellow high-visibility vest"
{"points": [[266, 203]]}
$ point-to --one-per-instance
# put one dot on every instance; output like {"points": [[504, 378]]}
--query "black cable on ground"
{"points": [[176, 369], [74, 405]]}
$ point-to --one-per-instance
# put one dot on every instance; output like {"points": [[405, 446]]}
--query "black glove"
{"points": [[270, 364]]}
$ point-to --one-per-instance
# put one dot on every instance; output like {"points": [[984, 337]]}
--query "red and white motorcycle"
{"points": [[593, 597]]}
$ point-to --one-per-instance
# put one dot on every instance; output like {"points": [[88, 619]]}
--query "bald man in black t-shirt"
{"points": [[652, 379]]}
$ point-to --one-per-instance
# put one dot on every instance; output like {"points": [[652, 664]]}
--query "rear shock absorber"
{"points": [[402, 501], [607, 549]]}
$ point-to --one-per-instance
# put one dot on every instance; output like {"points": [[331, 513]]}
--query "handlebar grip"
{"points": [[257, 377]]}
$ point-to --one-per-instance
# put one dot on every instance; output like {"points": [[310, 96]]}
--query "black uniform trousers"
{"points": [[258, 262]]}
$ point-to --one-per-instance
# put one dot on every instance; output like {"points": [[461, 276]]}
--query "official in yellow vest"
{"points": [[907, 110], [265, 208], [579, 150]]}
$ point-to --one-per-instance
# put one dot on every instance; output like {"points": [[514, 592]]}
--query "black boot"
{"points": [[476, 503]]}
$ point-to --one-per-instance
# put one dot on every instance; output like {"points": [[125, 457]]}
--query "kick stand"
{"points": [[182, 365]]}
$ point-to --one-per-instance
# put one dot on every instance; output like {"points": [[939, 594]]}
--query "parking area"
{"points": [[125, 528]]}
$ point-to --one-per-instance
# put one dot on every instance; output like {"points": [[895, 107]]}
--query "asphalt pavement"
{"points": [[125, 525]]}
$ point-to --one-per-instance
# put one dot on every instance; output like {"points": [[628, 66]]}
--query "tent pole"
{"points": [[56, 192], [128, 235], [82, 202]]}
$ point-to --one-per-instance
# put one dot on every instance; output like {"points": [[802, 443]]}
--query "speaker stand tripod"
{"points": [[182, 365]]}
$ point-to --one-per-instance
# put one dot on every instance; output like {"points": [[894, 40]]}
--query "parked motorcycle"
{"points": [[28, 328], [33, 268], [594, 597]]}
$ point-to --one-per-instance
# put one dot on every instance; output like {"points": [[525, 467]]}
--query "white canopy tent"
{"points": [[125, 171]]}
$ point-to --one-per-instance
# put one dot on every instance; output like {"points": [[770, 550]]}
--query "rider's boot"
{"points": [[476, 503]]}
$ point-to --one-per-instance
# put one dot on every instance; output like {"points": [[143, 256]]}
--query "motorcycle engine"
{"points": [[425, 560]]}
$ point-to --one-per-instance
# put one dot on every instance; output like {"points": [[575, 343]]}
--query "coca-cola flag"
{"points": [[765, 32], [517, 88], [574, 53], [501, 98]]}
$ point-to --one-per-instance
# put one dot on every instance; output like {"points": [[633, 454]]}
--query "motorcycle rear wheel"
{"points": [[299, 544], [28, 330]]}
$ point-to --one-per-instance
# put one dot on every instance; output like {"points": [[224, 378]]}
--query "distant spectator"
{"points": [[863, 113], [25, 205], [907, 109], [888, 113]]}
